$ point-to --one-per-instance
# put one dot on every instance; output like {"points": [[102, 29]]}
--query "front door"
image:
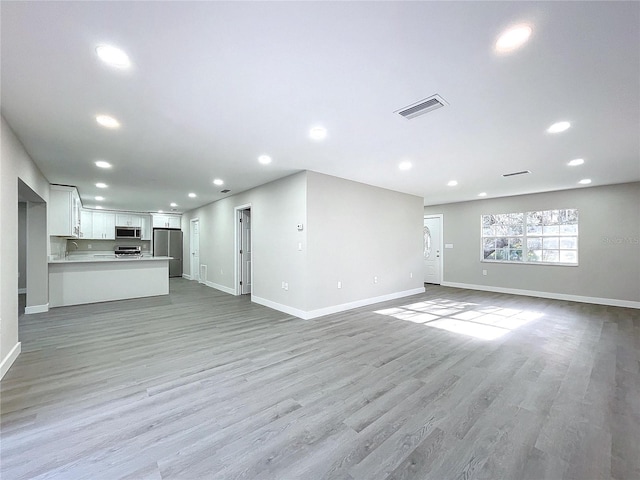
{"points": [[432, 249], [245, 251], [195, 251]]}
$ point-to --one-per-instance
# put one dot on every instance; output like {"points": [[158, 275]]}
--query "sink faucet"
{"points": [[66, 253]]}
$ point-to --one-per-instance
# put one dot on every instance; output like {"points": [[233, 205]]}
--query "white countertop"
{"points": [[106, 258]]}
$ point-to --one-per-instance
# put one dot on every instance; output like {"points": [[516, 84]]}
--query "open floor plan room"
{"points": [[448, 384]]}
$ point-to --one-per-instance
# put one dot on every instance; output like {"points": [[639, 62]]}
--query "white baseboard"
{"points": [[320, 312], [188, 277], [222, 288], [36, 309], [280, 307], [7, 361], [22, 291], [555, 296]]}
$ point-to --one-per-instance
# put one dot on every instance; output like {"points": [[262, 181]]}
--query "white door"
{"points": [[245, 251], [195, 250], [432, 244]]}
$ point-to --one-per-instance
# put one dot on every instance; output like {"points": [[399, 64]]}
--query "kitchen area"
{"points": [[101, 255]]}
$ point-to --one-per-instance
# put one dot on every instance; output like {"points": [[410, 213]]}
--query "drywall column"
{"points": [[37, 266], [22, 246]]}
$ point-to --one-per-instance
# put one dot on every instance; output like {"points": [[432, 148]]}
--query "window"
{"points": [[541, 237]]}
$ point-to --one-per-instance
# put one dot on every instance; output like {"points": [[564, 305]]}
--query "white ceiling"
{"points": [[216, 84]]}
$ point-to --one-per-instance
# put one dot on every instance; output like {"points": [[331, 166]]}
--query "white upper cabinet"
{"points": [[104, 226], [166, 221], [86, 224], [96, 225], [146, 227], [64, 211], [128, 220], [67, 218]]}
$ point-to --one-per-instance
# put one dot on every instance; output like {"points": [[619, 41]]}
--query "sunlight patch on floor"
{"points": [[483, 322]]}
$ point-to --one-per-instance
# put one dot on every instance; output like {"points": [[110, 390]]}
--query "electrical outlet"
{"points": [[286, 286], [375, 279], [339, 284], [484, 272], [89, 246], [410, 274], [283, 285]]}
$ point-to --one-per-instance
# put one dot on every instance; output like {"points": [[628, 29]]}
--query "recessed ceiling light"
{"points": [[576, 162], [98, 207], [513, 38], [192, 195], [217, 181], [107, 121], [160, 211], [264, 159], [318, 133], [103, 164], [99, 198], [585, 181], [452, 183], [101, 185], [113, 56], [483, 194], [404, 165], [173, 204], [558, 127]]}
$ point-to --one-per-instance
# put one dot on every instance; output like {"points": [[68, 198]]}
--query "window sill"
{"points": [[546, 264]]}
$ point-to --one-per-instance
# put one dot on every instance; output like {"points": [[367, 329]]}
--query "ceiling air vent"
{"points": [[225, 191], [523, 172], [422, 107]]}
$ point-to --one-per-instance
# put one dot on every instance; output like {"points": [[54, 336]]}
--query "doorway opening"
{"points": [[244, 272], [33, 281], [432, 249]]}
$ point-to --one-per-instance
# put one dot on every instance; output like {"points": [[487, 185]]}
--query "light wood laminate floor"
{"points": [[450, 384]]}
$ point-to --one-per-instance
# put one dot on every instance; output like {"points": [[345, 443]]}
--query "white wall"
{"points": [[357, 232], [276, 209], [15, 164], [609, 246], [351, 232]]}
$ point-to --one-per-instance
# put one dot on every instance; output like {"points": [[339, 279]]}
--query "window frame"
{"points": [[526, 235]]}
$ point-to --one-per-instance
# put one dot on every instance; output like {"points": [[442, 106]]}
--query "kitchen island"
{"points": [[89, 279]]}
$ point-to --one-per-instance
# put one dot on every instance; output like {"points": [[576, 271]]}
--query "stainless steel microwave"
{"points": [[129, 232]]}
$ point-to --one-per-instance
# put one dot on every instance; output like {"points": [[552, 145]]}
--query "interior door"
{"points": [[245, 251], [432, 249], [195, 250]]}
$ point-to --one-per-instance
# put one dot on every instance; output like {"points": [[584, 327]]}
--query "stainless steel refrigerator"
{"points": [[167, 242]]}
